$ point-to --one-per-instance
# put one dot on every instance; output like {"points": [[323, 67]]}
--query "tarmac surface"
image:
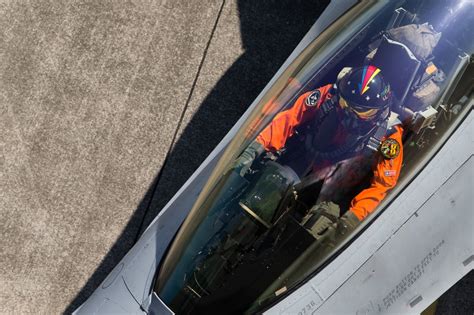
{"points": [[106, 108]]}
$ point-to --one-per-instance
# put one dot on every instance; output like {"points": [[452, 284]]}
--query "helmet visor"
{"points": [[362, 113]]}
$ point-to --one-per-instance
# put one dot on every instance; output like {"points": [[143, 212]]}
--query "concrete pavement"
{"points": [[93, 96], [91, 99]]}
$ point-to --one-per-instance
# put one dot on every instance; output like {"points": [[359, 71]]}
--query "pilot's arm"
{"points": [[282, 127], [386, 173]]}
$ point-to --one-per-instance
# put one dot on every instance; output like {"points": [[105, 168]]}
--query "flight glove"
{"points": [[347, 223], [244, 161], [323, 215]]}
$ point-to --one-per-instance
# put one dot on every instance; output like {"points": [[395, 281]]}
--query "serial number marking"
{"points": [[308, 308], [411, 277]]}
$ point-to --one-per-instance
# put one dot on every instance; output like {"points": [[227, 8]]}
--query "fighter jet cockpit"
{"points": [[326, 149]]}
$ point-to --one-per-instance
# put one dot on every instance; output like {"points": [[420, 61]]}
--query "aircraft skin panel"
{"points": [[121, 302], [151, 247], [348, 283], [422, 260]]}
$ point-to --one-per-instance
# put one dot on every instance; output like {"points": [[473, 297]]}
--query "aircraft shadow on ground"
{"points": [[270, 30]]}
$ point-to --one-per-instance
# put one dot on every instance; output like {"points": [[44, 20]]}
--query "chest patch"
{"points": [[313, 98], [390, 148], [390, 173]]}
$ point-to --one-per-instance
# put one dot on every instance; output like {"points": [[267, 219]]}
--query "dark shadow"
{"points": [[270, 30], [458, 299]]}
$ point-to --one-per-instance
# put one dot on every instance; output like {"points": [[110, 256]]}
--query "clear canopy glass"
{"points": [[251, 237]]}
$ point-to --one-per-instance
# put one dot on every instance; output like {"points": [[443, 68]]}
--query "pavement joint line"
{"points": [[180, 121]]}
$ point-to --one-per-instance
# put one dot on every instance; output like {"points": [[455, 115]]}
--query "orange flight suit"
{"points": [[385, 171]]}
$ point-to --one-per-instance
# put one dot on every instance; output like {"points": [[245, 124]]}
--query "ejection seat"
{"points": [[413, 77], [399, 66]]}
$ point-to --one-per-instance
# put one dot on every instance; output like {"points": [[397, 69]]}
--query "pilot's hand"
{"points": [[244, 161], [323, 215], [347, 223]]}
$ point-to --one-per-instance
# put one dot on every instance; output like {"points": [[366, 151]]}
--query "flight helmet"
{"points": [[364, 96]]}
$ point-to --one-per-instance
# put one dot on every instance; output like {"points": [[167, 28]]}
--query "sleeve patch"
{"points": [[313, 99], [390, 148]]}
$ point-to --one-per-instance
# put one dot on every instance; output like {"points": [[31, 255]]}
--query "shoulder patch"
{"points": [[390, 148], [313, 98]]}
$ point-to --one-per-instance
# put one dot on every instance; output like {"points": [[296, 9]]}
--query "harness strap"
{"points": [[371, 140], [376, 139]]}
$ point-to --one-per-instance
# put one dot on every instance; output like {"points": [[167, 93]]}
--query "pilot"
{"points": [[338, 133]]}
